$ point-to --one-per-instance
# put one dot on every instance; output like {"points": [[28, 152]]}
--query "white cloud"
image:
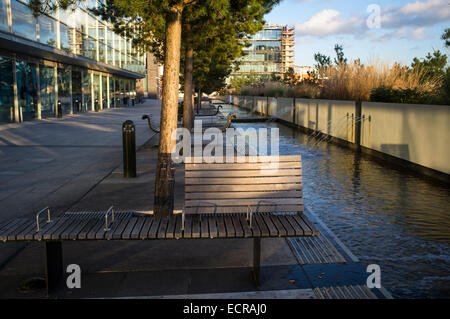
{"points": [[419, 34], [407, 21], [328, 22]]}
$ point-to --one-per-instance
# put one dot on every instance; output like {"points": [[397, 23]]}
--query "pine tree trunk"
{"points": [[165, 169], [188, 69]]}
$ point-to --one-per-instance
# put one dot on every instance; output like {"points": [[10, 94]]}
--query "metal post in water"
{"points": [[129, 149]]}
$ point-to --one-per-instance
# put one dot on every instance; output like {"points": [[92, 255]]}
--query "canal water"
{"points": [[384, 214]]}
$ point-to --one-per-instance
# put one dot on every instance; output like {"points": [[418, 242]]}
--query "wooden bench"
{"points": [[230, 200]]}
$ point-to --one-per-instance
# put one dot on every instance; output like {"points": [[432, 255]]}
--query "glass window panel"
{"points": [[67, 15], [101, 51], [104, 92], [110, 36], [265, 46], [66, 36], [23, 21], [96, 86], [3, 16], [47, 90], [64, 90], [110, 59], [80, 21], [47, 30], [27, 88], [111, 92], [91, 26], [90, 46], [87, 106], [6, 90], [76, 91], [101, 32]]}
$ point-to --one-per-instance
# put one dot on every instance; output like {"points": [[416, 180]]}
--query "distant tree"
{"points": [[323, 61], [275, 77], [432, 66], [289, 77], [446, 37], [340, 59]]}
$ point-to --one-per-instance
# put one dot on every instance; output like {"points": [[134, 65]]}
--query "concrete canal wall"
{"points": [[417, 136]]}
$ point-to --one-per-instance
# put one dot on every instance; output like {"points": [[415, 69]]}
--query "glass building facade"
{"points": [[270, 51], [66, 61]]}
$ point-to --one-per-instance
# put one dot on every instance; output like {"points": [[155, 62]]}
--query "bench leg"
{"points": [[53, 265], [257, 261]]}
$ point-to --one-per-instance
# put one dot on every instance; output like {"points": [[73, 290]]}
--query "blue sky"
{"points": [[402, 30]]}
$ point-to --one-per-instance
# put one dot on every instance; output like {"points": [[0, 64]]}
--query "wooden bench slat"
{"points": [[221, 226], [241, 166], [117, 233], [243, 194], [171, 227], [242, 209], [242, 173], [204, 227], [289, 230], [75, 224], [242, 188], [11, 235], [143, 234], [262, 225], [231, 232], [154, 229], [187, 232], [196, 226], [254, 203], [6, 230], [109, 235], [212, 227], [270, 225], [99, 227], [281, 230], [86, 229], [162, 228], [307, 231], [74, 234], [239, 230], [178, 232], [297, 227], [56, 234], [127, 231], [46, 232], [242, 180], [246, 229], [137, 228], [27, 231], [311, 226], [244, 159]]}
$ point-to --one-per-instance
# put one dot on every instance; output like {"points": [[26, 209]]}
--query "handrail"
{"points": [[39, 213], [111, 209]]}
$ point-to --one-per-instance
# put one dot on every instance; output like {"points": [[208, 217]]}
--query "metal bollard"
{"points": [[59, 109], [118, 102], [96, 105], [129, 149]]}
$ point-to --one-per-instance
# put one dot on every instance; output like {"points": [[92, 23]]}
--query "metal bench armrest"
{"points": [[39, 213], [110, 211]]}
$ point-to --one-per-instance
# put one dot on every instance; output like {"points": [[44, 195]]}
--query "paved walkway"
{"points": [[56, 162]]}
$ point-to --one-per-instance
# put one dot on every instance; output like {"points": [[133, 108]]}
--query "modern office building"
{"points": [[271, 51], [63, 62]]}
